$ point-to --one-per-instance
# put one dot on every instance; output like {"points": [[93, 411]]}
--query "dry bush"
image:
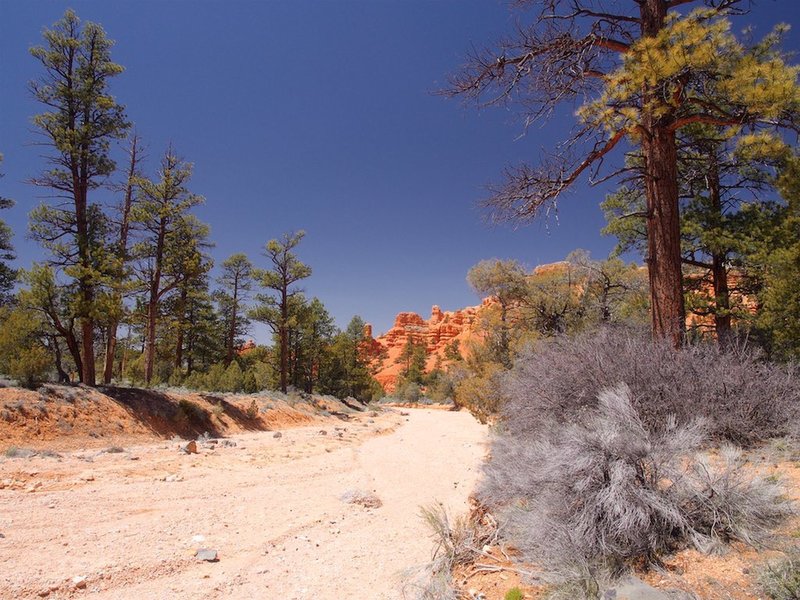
{"points": [[725, 499], [781, 580], [587, 499], [458, 542], [742, 398]]}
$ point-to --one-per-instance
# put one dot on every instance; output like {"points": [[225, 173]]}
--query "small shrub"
{"points": [[252, 409], [781, 580], [457, 542], [232, 380], [725, 499], [14, 452], [408, 392], [513, 594], [250, 383], [480, 394]]}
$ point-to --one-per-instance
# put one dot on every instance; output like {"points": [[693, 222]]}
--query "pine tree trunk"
{"points": [[86, 292], [283, 334], [111, 349], [152, 304], [150, 347], [62, 374], [663, 215], [181, 327], [719, 270]]}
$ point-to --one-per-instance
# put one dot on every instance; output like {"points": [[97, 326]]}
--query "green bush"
{"points": [[249, 382], [195, 381], [408, 391], [22, 355], [479, 393], [30, 366], [514, 594], [232, 379], [252, 409]]}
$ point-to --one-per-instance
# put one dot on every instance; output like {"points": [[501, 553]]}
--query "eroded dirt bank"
{"points": [[130, 522]]}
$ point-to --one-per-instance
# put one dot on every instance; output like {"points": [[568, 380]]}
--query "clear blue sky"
{"points": [[319, 115]]}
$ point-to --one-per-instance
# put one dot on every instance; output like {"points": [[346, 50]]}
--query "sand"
{"points": [[128, 524]]}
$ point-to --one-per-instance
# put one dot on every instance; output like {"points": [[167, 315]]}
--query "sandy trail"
{"points": [[270, 506]]}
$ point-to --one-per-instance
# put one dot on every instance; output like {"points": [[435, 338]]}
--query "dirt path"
{"points": [[270, 506]]}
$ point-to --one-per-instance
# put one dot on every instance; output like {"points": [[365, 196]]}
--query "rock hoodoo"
{"points": [[440, 331]]}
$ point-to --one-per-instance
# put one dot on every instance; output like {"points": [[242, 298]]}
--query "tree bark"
{"points": [[719, 270], [663, 215], [150, 347], [152, 304], [63, 377], [181, 325], [283, 334]]}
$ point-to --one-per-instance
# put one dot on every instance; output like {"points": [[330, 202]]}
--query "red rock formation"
{"points": [[437, 333], [246, 347]]}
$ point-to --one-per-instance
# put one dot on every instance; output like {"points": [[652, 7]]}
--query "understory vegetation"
{"points": [[612, 451]]}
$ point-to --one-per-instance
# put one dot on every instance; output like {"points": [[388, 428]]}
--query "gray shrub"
{"points": [[587, 497], [742, 398]]}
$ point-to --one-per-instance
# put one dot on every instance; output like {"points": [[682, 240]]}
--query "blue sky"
{"points": [[319, 115]]}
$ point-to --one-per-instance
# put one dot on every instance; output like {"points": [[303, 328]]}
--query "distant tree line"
{"points": [[126, 293]]}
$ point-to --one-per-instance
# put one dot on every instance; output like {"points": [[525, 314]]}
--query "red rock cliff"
{"points": [[437, 333]]}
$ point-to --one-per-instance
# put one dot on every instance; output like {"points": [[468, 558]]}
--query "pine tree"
{"points": [[644, 74], [504, 280], [171, 249], [275, 309], [81, 120], [237, 279]]}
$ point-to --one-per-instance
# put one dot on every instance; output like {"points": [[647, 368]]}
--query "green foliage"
{"points": [[81, 120], [252, 409], [83, 115], [408, 391], [413, 357], [479, 392], [345, 368], [440, 386], [513, 594], [22, 354], [7, 275], [780, 298], [274, 309], [170, 253], [232, 379], [506, 281], [250, 382], [237, 279]]}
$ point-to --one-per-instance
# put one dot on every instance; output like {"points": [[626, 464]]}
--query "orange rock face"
{"points": [[248, 346], [440, 331]]}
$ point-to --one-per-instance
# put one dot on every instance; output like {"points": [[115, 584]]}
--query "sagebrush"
{"points": [[742, 398], [586, 499]]}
